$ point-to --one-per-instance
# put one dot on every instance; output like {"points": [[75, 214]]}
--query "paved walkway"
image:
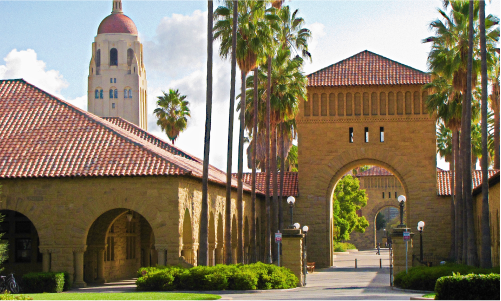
{"points": [[341, 282]]}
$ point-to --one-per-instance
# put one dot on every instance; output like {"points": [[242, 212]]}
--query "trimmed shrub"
{"points": [[219, 277], [343, 246], [43, 282], [67, 282], [468, 287], [424, 278]]}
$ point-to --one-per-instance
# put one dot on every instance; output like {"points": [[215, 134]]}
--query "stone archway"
{"points": [[212, 240], [187, 250], [118, 243], [234, 239], [381, 235], [220, 240]]}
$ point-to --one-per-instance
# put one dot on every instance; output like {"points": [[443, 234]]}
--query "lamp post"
{"points": [[291, 201], [401, 201], [420, 227], [305, 231], [297, 226]]}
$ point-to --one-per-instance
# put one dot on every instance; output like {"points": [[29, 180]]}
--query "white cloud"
{"points": [[24, 64], [80, 102]]}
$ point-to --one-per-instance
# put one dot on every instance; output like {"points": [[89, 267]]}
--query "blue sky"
{"points": [[49, 44]]}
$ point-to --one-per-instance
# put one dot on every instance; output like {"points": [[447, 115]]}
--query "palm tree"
{"points": [[494, 103], [249, 42], [204, 218], [172, 113]]}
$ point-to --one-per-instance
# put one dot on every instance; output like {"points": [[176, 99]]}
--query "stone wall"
{"points": [[493, 222]]}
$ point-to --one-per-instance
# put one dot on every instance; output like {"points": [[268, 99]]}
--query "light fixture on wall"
{"points": [[297, 226], [420, 227], [291, 201], [305, 265], [129, 216], [401, 201]]}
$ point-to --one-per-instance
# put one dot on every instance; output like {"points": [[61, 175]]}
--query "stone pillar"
{"points": [[78, 257], [212, 255], [45, 260], [100, 266], [292, 252], [398, 245], [161, 256]]}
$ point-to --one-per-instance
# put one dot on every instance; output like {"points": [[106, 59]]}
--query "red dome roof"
{"points": [[117, 23]]}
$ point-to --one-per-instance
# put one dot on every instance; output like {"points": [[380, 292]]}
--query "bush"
{"points": [[8, 296], [67, 282], [343, 246], [219, 277], [43, 282], [424, 278], [468, 287]]}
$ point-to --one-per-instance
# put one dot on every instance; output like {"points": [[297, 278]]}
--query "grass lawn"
{"points": [[431, 295], [124, 296]]}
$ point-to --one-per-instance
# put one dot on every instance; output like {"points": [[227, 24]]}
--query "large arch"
{"points": [[118, 243]]}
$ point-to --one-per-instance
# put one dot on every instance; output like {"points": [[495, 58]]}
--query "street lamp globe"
{"points": [[401, 199], [420, 226], [305, 229], [291, 200], [297, 226]]}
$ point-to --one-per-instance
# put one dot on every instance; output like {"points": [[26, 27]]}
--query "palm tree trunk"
{"points": [[240, 202], [227, 213], [485, 255], [496, 133], [268, 205], [275, 182], [452, 253], [472, 258], [254, 152], [204, 218], [282, 170], [458, 191]]}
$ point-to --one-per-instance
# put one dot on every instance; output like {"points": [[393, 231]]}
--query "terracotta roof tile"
{"points": [[374, 171], [290, 182], [367, 68], [444, 179], [43, 136]]}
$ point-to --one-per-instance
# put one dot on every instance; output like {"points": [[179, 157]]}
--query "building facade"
{"points": [[117, 76]]}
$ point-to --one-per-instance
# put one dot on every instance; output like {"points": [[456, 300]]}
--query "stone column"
{"points": [[78, 257], [100, 266], [292, 252], [212, 255], [45, 260], [398, 245]]}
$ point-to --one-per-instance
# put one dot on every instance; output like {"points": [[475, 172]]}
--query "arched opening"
{"points": [[119, 241], [246, 241], [98, 58], [234, 239], [381, 185], [212, 240], [220, 240], [23, 243], [385, 220], [113, 57], [187, 249]]}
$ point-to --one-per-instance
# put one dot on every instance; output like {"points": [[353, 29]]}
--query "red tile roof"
{"points": [[367, 68], [374, 171], [290, 182], [444, 178], [44, 136], [117, 23]]}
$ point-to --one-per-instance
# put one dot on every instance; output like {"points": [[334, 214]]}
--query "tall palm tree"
{"points": [[204, 216], [250, 26], [172, 113], [494, 103]]}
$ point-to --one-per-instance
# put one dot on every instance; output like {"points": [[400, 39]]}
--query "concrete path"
{"points": [[341, 282]]}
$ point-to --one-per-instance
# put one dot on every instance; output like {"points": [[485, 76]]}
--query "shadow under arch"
{"points": [[376, 212], [118, 242]]}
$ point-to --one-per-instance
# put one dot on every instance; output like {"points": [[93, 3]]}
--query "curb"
{"points": [[413, 291]]}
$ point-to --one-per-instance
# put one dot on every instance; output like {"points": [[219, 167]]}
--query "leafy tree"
{"points": [[172, 113], [380, 221], [347, 200]]}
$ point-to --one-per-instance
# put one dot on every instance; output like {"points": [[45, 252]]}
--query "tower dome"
{"points": [[117, 22]]}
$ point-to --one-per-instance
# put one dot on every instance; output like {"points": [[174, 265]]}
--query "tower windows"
{"points": [[101, 93], [381, 134], [383, 194], [113, 57], [96, 94], [351, 135], [116, 93], [366, 135], [112, 105], [98, 58], [113, 80], [111, 93], [130, 93], [125, 93]]}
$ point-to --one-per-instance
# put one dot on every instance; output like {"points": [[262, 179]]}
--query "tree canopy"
{"points": [[348, 198]]}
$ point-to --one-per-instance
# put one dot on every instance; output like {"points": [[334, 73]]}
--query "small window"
{"points": [[116, 93], [366, 135], [395, 194], [351, 135], [381, 134], [115, 80], [383, 194], [125, 93], [130, 93], [111, 93], [112, 105], [389, 195], [101, 93], [111, 80], [113, 57], [97, 94]]}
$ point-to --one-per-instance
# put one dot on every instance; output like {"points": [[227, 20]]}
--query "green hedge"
{"points": [[424, 278], [468, 287], [43, 282], [343, 246], [219, 277]]}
